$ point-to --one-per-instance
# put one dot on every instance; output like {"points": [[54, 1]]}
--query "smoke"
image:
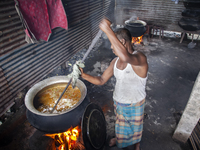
{"points": [[134, 17]]}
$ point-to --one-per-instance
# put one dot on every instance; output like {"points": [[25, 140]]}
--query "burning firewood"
{"points": [[69, 140], [79, 146]]}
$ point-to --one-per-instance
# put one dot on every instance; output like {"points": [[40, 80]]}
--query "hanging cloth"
{"points": [[39, 17]]}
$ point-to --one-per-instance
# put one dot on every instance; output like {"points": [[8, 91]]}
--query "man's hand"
{"points": [[76, 73], [81, 70], [105, 25]]}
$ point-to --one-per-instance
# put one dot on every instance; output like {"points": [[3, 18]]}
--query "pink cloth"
{"points": [[42, 16], [57, 16]]}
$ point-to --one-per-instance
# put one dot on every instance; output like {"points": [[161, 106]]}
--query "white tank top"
{"points": [[129, 88]]}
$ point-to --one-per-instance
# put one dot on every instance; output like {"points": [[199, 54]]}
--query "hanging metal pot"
{"points": [[136, 27], [54, 123]]}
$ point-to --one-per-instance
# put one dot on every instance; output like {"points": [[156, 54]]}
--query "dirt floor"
{"points": [[173, 69]]}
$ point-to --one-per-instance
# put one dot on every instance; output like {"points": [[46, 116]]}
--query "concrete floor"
{"points": [[173, 69]]}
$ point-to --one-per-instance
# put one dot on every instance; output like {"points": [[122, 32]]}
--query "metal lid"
{"points": [[93, 127]]}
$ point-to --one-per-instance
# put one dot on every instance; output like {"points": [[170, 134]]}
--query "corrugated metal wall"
{"points": [[11, 31], [22, 67], [159, 12]]}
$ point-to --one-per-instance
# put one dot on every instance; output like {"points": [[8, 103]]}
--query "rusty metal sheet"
{"points": [[6, 104], [11, 30], [24, 66]]}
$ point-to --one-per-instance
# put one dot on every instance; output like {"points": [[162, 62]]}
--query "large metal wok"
{"points": [[136, 27], [54, 123]]}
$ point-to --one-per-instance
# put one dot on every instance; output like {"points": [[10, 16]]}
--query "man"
{"points": [[130, 69]]}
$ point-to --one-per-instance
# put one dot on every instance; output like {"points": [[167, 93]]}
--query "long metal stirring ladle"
{"points": [[84, 57]]}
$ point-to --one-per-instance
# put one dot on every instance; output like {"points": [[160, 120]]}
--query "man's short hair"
{"points": [[123, 33]]}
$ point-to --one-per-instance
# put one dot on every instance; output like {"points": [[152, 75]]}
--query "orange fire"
{"points": [[66, 140], [137, 40]]}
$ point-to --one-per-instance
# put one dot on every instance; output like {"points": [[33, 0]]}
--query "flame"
{"points": [[66, 140], [137, 40]]}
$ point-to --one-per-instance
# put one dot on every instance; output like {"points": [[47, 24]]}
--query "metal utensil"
{"points": [[84, 57], [192, 44], [61, 95]]}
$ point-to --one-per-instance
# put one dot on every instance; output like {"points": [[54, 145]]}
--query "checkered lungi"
{"points": [[129, 123]]}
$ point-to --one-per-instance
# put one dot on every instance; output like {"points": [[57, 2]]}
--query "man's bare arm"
{"points": [[100, 80], [118, 47]]}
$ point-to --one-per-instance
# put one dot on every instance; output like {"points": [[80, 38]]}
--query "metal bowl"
{"points": [[136, 27], [55, 122]]}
